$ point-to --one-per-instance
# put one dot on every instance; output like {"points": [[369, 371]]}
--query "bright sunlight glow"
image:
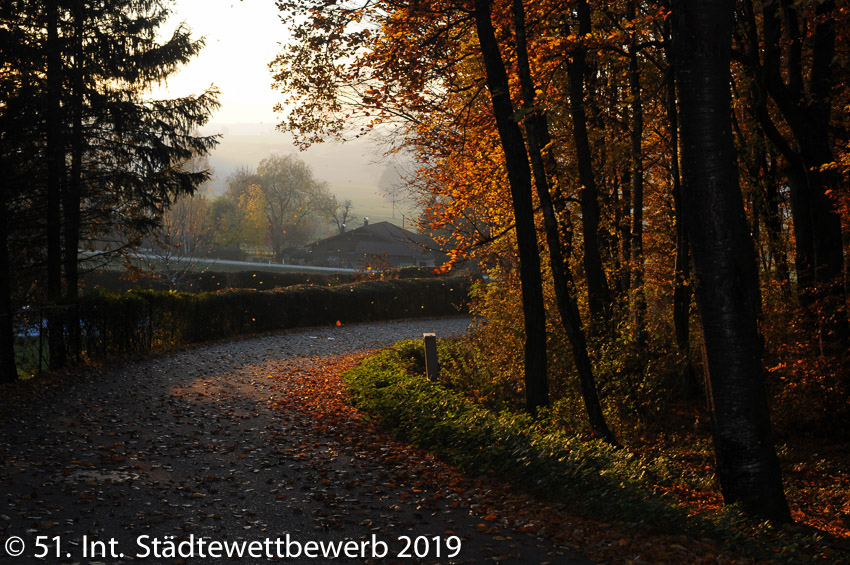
{"points": [[242, 37]]}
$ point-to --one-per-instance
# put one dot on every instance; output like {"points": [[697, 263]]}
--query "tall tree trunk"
{"points": [[537, 134], [71, 196], [724, 262], [8, 368], [599, 295], [618, 259], [682, 269], [519, 177], [773, 221], [625, 228], [638, 294], [55, 172]]}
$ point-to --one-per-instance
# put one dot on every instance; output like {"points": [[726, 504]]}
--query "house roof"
{"points": [[377, 238]]}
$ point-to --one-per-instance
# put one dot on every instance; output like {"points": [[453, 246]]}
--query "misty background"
{"points": [[354, 170]]}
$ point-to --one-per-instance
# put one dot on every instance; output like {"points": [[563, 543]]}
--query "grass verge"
{"points": [[595, 480]]}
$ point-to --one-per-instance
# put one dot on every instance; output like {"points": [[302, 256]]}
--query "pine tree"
{"points": [[112, 156]]}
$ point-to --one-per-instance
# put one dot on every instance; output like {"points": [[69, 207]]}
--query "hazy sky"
{"points": [[241, 40]]}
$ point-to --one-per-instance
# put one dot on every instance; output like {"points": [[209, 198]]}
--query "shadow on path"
{"points": [[210, 444]]}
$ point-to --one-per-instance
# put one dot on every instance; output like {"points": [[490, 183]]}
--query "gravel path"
{"points": [[192, 450]]}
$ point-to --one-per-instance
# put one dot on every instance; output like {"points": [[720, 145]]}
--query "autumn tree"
{"points": [[238, 215], [293, 197], [186, 231], [576, 104], [519, 178], [682, 266], [253, 215], [449, 128], [226, 221], [280, 204], [541, 157], [599, 294]]}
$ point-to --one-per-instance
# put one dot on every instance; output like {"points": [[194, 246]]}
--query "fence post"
{"points": [[432, 365], [40, 337]]}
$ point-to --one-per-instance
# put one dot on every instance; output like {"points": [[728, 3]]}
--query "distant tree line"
{"points": [[280, 207]]}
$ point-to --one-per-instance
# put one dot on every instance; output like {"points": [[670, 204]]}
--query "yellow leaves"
{"points": [[831, 166], [253, 205]]}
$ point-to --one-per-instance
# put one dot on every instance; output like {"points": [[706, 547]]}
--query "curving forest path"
{"points": [[233, 446]]}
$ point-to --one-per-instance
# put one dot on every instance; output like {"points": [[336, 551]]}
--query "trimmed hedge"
{"points": [[256, 279], [211, 281], [139, 321]]}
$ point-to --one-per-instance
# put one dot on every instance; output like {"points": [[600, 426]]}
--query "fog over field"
{"points": [[354, 170]]}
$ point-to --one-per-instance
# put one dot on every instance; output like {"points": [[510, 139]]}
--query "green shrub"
{"points": [[594, 478]]}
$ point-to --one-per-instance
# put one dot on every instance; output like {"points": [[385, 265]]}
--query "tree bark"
{"points": [[72, 195], [599, 294], [635, 92], [724, 262], [519, 177], [55, 172], [537, 135], [625, 229], [773, 221], [682, 269]]}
